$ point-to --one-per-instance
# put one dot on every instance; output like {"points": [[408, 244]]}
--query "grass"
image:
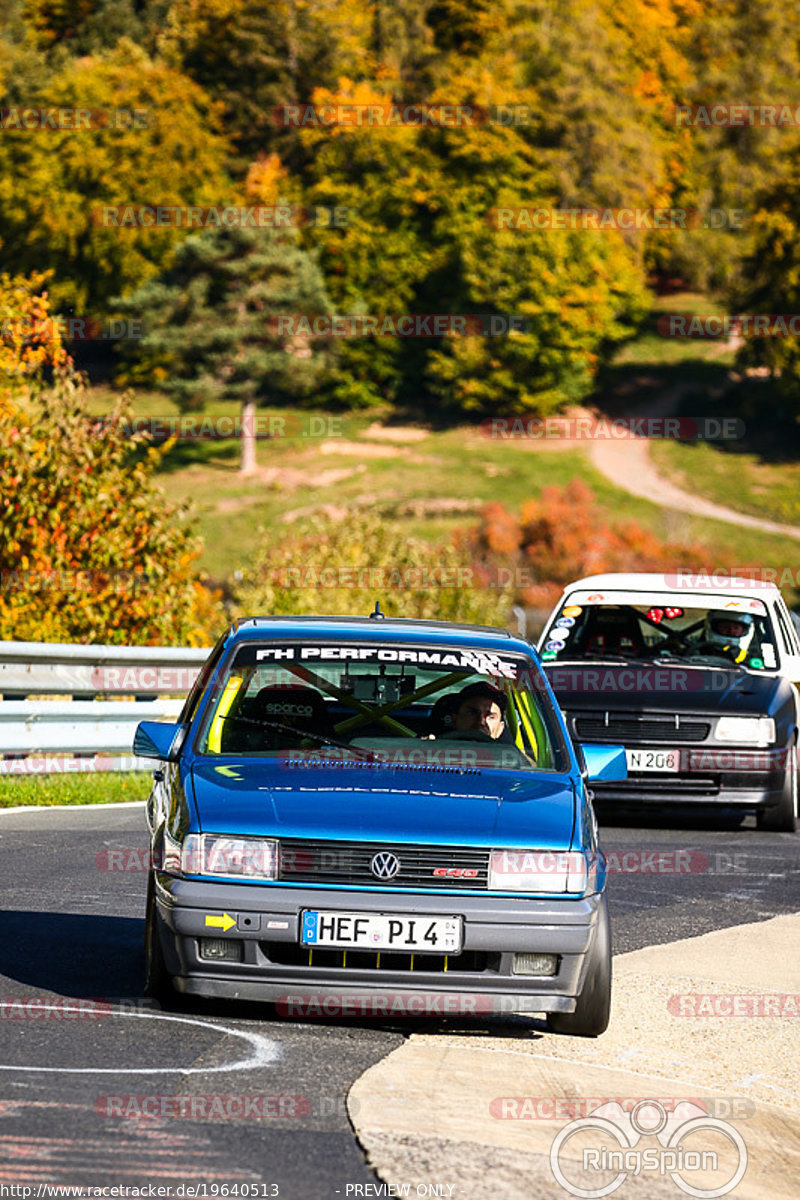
{"points": [[741, 481], [439, 482], [106, 787]]}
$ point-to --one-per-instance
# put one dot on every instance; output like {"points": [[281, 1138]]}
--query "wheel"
{"points": [[593, 1009], [783, 815], [157, 980]]}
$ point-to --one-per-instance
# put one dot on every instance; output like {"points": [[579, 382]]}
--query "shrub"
{"points": [[345, 567]]}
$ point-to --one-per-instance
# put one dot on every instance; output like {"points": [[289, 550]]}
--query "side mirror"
{"points": [[157, 739], [604, 764]]}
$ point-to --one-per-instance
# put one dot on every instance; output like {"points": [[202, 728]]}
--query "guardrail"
{"points": [[86, 733]]}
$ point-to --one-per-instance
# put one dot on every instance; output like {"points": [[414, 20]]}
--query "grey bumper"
{"points": [[267, 920]]}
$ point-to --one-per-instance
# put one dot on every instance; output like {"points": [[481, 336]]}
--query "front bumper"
{"points": [[707, 775], [274, 969]]}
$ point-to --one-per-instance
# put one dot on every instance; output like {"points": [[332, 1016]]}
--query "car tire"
{"points": [[157, 980], [593, 1008], [783, 815]]}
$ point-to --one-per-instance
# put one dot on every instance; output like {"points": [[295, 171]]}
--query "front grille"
{"points": [[469, 962], [667, 785], [303, 861], [634, 731]]}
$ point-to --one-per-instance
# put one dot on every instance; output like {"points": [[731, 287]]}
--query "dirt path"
{"points": [[628, 465]]}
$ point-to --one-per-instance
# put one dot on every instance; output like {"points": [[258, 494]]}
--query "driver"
{"points": [[728, 633], [480, 708]]}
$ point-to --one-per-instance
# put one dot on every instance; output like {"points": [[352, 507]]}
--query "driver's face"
{"points": [[482, 714], [729, 628]]}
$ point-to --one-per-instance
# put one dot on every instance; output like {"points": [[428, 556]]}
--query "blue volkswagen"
{"points": [[377, 817]]}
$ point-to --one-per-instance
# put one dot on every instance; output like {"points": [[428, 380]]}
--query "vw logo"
{"points": [[385, 865]]}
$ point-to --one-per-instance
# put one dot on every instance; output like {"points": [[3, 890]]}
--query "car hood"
{"points": [[674, 688], [369, 802]]}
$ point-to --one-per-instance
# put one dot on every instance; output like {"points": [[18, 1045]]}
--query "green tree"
{"points": [[771, 285], [56, 183], [213, 322]]}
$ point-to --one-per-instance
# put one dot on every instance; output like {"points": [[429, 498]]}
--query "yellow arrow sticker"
{"points": [[226, 921]]}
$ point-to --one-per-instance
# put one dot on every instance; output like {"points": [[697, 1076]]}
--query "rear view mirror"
{"points": [[604, 764]]}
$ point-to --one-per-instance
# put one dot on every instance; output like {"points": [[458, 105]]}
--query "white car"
{"points": [[695, 675]]}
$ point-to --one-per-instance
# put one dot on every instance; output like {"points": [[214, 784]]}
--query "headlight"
{"points": [[538, 871], [232, 857], [750, 731]]}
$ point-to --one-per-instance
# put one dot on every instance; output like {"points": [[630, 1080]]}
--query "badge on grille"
{"points": [[385, 865]]}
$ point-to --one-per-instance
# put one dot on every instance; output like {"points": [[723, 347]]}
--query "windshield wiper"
{"points": [[366, 755]]}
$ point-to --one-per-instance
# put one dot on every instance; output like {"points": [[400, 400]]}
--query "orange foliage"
{"points": [[562, 536], [30, 338]]}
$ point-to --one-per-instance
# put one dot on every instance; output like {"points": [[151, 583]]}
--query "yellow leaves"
{"points": [[264, 179]]}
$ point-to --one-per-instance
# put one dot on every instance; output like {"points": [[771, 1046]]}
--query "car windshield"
{"points": [[720, 632], [417, 704]]}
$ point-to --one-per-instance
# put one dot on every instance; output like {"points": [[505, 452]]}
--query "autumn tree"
{"points": [[157, 141], [89, 550]]}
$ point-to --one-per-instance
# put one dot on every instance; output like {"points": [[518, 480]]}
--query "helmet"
{"points": [[729, 630]]}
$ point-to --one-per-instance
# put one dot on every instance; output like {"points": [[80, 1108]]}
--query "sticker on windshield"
{"points": [[572, 610], [565, 622], [482, 662], [768, 654], [556, 647]]}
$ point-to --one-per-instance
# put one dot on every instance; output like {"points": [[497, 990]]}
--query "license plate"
{"points": [[382, 931], [653, 760]]}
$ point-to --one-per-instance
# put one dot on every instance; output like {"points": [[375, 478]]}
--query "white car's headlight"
{"points": [[538, 871], [222, 855], [748, 731]]}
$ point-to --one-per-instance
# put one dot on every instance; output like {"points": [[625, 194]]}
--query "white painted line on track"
{"points": [[265, 1053]]}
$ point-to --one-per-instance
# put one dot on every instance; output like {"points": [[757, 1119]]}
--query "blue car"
{"points": [[375, 817]]}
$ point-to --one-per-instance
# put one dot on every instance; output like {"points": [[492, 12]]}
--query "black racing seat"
{"points": [[301, 708], [612, 631]]}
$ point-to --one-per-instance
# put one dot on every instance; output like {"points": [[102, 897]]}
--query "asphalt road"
{"points": [[240, 1099]]}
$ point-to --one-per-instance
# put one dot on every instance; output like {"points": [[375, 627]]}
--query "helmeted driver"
{"points": [[729, 633]]}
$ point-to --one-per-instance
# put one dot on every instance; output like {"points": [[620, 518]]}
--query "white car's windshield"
{"points": [[722, 632], [431, 705]]}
